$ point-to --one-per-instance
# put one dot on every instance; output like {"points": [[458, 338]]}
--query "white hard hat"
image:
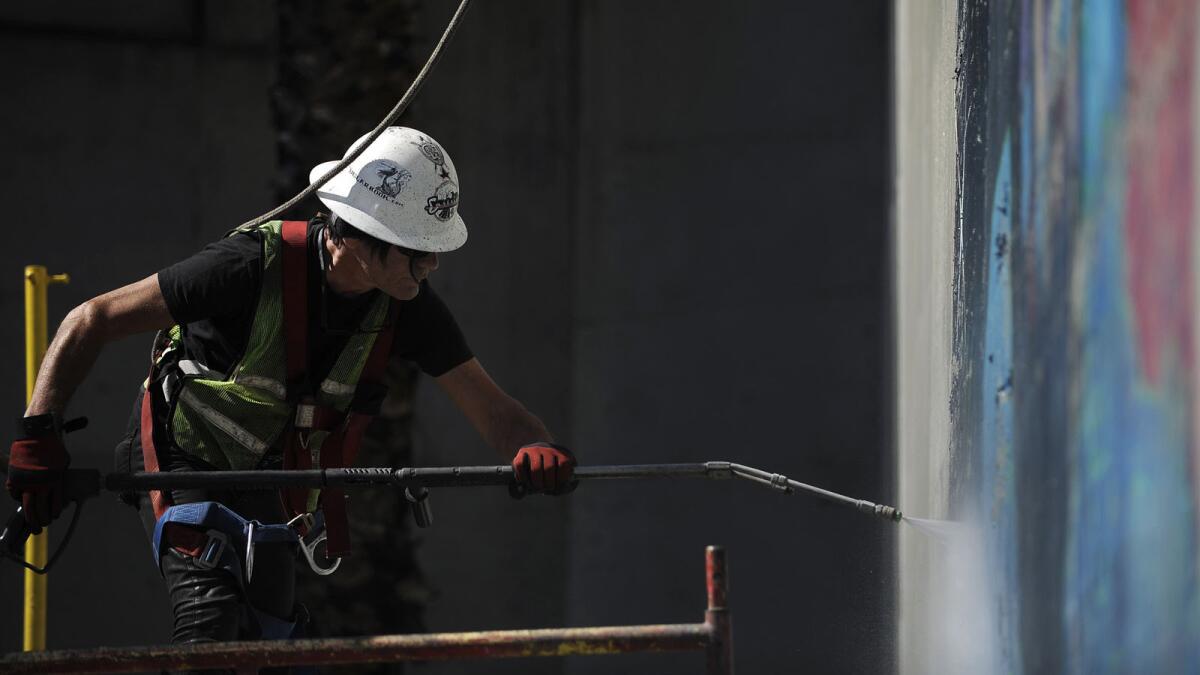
{"points": [[402, 189]]}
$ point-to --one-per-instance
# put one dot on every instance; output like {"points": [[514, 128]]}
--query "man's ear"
{"points": [[355, 248]]}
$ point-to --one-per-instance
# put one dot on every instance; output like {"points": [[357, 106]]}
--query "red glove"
{"points": [[545, 467], [35, 477]]}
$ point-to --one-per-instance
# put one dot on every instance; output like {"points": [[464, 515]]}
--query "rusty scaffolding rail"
{"points": [[714, 637]]}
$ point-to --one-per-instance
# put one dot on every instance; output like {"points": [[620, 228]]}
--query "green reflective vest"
{"points": [[231, 420]]}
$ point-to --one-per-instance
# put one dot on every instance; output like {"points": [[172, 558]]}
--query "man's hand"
{"points": [[505, 424], [35, 477], [545, 467]]}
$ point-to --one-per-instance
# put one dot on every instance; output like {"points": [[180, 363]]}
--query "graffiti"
{"points": [[1074, 412]]}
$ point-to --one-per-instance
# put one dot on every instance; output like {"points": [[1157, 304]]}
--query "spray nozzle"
{"points": [[880, 510]]}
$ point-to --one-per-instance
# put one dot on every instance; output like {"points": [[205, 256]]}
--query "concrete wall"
{"points": [[729, 306], [923, 246], [1071, 452]]}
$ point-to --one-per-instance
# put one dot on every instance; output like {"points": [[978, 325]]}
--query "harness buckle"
{"points": [[305, 415], [214, 549]]}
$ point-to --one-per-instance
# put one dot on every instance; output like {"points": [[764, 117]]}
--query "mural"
{"points": [[1076, 429]]}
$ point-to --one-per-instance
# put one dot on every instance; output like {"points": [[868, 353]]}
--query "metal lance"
{"points": [[416, 483], [473, 476]]}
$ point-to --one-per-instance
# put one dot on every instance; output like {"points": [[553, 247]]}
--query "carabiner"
{"points": [[315, 526], [250, 549], [310, 551]]}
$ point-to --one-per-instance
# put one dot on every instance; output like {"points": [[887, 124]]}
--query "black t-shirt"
{"points": [[214, 294]]}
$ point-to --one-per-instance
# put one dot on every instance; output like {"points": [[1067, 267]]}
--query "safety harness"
{"points": [[212, 533], [346, 430]]}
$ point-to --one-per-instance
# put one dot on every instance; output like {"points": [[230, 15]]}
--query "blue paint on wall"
{"points": [[1074, 411], [998, 495]]}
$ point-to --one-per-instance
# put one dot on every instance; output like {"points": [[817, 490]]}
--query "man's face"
{"points": [[394, 274]]}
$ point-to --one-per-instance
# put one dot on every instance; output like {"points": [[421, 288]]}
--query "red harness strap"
{"points": [[295, 349], [295, 303], [341, 448], [180, 537], [341, 445], [158, 498]]}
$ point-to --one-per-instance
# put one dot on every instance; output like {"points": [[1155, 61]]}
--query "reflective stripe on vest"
{"points": [[247, 439], [337, 388], [275, 387]]}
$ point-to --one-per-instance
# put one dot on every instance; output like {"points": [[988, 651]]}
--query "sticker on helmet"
{"points": [[443, 202], [434, 154], [385, 179]]}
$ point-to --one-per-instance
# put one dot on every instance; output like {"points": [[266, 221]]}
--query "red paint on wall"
{"points": [[1158, 207]]}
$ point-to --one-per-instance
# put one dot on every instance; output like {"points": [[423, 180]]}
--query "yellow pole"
{"points": [[36, 283]]}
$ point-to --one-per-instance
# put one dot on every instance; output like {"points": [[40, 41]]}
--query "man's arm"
{"points": [[503, 422], [38, 458], [136, 308], [509, 427]]}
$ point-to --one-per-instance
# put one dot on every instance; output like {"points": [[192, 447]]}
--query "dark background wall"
{"points": [[132, 135], [678, 219]]}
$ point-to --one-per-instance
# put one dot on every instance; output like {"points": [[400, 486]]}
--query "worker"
{"points": [[270, 354]]}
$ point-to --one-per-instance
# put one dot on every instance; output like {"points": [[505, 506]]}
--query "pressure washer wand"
{"points": [[83, 483], [468, 476]]}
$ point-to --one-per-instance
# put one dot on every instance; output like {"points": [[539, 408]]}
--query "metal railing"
{"points": [[37, 282], [714, 636]]}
